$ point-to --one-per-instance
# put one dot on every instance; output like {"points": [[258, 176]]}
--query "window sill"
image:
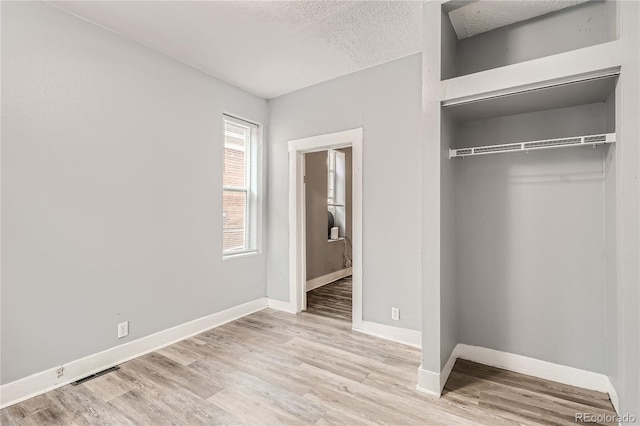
{"points": [[333, 241], [239, 255]]}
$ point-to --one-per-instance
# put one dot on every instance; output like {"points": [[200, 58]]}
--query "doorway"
{"points": [[329, 233], [298, 149]]}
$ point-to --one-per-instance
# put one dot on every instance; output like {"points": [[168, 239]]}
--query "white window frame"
{"points": [[252, 189]]}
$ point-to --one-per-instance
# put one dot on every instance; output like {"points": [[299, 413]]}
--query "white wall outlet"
{"points": [[59, 372], [123, 329], [395, 314]]}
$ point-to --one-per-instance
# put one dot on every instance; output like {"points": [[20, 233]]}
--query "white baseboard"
{"points": [[395, 334], [613, 396], [328, 279], [535, 367], [281, 306], [428, 382], [446, 370], [39, 383], [433, 383]]}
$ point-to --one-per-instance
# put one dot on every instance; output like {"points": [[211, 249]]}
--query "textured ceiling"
{"points": [[267, 48], [482, 16]]}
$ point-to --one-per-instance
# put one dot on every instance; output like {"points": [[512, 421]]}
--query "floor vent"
{"points": [[93, 376]]}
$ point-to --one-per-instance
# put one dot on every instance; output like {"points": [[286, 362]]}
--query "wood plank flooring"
{"points": [[332, 300], [273, 368]]}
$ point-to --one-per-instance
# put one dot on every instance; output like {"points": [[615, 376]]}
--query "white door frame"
{"points": [[297, 232]]}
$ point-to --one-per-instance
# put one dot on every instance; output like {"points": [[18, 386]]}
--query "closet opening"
{"points": [[526, 229]]}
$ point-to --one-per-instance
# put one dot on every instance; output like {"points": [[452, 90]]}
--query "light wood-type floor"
{"points": [[273, 368]]}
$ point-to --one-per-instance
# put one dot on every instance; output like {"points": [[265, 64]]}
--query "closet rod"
{"points": [[590, 140]]}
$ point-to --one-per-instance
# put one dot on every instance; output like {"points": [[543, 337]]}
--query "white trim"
{"points": [[613, 396], [433, 383], [279, 305], [405, 336], [240, 254], [39, 383], [297, 244], [428, 382], [328, 279], [448, 367], [297, 230], [325, 142], [535, 367]]}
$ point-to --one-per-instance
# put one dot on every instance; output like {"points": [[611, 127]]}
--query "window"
{"points": [[240, 182], [336, 193]]}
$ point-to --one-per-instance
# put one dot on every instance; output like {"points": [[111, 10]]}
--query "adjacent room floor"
{"points": [[332, 300], [272, 368]]}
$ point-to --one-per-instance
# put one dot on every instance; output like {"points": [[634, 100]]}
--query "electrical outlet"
{"points": [[59, 372], [395, 314], [123, 329]]}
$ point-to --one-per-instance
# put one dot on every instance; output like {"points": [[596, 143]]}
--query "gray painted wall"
{"points": [[448, 47], [111, 191], [385, 101], [581, 26], [323, 256]]}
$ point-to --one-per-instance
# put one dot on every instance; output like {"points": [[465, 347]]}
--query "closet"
{"points": [[528, 180]]}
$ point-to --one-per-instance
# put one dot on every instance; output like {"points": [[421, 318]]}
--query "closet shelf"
{"points": [[590, 140]]}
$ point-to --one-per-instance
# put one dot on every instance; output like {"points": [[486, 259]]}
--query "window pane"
{"points": [[331, 164], [331, 160], [235, 136], [234, 168], [234, 220]]}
